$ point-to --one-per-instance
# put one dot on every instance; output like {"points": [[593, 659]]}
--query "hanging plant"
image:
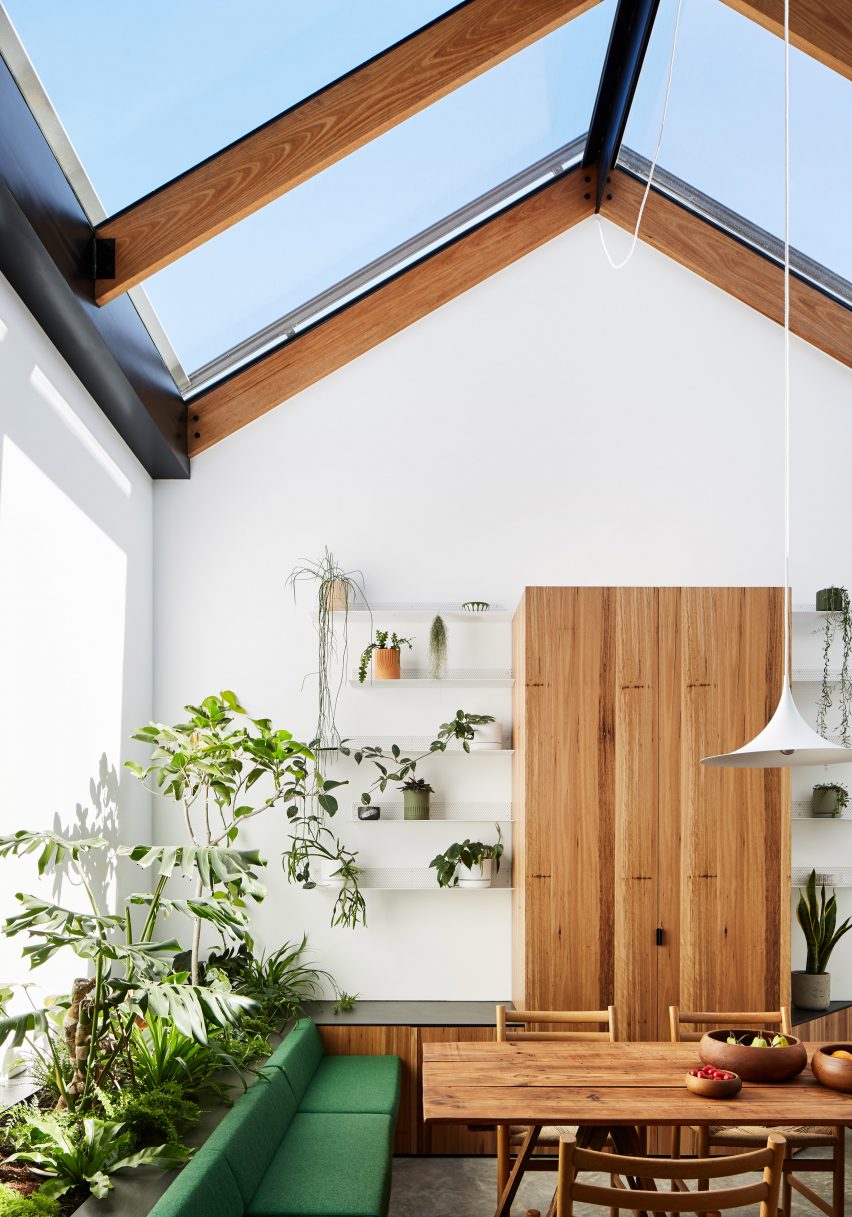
{"points": [[338, 591], [438, 648], [838, 620]]}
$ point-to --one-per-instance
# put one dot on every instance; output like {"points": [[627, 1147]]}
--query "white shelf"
{"points": [[456, 678], [813, 676], [424, 612], [439, 812], [418, 744], [802, 811], [827, 876], [417, 879]]}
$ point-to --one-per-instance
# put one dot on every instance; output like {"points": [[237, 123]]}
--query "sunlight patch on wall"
{"points": [[48, 392], [62, 622]]}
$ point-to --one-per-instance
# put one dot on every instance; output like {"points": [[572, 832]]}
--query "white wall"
{"points": [[560, 423], [76, 533]]}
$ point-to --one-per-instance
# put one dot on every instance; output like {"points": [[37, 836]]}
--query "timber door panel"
{"points": [[722, 650]]}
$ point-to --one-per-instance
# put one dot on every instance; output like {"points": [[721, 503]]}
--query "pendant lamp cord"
{"points": [[618, 265], [787, 594]]}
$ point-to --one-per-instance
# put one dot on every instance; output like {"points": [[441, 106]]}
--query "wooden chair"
{"points": [[683, 1026], [515, 1026], [646, 1172]]}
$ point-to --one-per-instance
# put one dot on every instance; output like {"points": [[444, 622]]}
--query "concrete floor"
{"points": [[466, 1187]]}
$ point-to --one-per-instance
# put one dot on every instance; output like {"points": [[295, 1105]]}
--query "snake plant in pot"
{"points": [[818, 919]]}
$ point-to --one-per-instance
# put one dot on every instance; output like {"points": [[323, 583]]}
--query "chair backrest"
{"points": [[682, 1023], [529, 1020], [572, 1160]]}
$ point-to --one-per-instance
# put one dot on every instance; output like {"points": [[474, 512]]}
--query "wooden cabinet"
{"points": [[641, 876]]}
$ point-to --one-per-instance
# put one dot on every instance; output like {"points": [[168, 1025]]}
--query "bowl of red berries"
{"points": [[713, 1083]]}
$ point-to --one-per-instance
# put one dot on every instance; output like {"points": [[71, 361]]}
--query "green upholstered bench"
{"points": [[313, 1137]]}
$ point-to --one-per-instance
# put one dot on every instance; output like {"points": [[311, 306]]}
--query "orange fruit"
{"points": [[841, 1052]]}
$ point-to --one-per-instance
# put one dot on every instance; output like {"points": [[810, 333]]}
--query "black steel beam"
{"points": [[628, 42], [46, 253]]}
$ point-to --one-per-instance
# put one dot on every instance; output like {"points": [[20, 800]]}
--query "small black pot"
{"points": [[369, 813]]}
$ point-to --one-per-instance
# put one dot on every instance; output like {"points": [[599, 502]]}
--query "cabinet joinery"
{"points": [[642, 877]]}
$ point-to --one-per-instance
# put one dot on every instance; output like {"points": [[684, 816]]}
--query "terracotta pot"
{"points": [[415, 804], [336, 596], [811, 990], [753, 1064], [475, 876], [833, 1071], [386, 663]]}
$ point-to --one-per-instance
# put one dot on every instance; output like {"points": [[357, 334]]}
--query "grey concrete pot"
{"points": [[811, 990]]}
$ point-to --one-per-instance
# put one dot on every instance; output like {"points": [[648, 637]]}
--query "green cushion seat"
{"points": [[251, 1132], [204, 1188], [369, 1084], [298, 1055], [329, 1165]]}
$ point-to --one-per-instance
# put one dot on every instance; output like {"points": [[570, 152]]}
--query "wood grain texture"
{"points": [[821, 28], [731, 265], [385, 1041], [321, 130], [548, 1084], [451, 1140], [360, 326], [830, 1028], [732, 950], [519, 823]]}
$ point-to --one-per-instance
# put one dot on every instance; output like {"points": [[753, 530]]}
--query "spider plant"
{"points": [[280, 982]]}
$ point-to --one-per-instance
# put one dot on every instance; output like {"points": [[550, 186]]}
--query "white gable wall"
{"points": [[559, 423]]}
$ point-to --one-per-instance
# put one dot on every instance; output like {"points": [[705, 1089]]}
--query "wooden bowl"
{"points": [[832, 1071], [753, 1064], [714, 1088]]}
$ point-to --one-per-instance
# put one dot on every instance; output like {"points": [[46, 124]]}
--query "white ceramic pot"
{"points": [[811, 990], [475, 876], [487, 738]]}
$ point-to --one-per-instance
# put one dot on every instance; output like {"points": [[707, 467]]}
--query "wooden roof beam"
{"points": [[321, 130], [821, 28]]}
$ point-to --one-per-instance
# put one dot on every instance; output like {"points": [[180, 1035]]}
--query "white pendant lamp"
{"points": [[786, 740]]}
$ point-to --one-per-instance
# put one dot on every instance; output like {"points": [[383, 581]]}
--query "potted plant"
{"points": [[385, 656], [337, 592], [818, 919], [829, 799], [834, 601], [468, 863], [438, 648], [415, 799]]}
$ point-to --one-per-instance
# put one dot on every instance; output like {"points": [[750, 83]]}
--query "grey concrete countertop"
{"points": [[406, 1014]]}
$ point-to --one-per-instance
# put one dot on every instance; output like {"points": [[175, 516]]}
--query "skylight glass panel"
{"points": [[146, 89], [725, 127], [386, 193]]}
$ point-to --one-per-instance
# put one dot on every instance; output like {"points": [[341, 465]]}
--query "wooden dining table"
{"points": [[602, 1087]]}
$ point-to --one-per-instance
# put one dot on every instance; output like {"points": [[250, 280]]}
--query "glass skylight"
{"points": [[384, 194], [146, 90], [725, 126]]}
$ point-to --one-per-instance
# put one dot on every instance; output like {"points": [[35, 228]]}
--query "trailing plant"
{"points": [[159, 1115], [418, 784], [87, 1154], [329, 576], [394, 766], [438, 648], [838, 789], [837, 621], [345, 1002], [466, 853], [382, 643], [818, 920], [209, 765], [16, 1204]]}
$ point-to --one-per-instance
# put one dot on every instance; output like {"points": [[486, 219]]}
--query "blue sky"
{"points": [[175, 81]]}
